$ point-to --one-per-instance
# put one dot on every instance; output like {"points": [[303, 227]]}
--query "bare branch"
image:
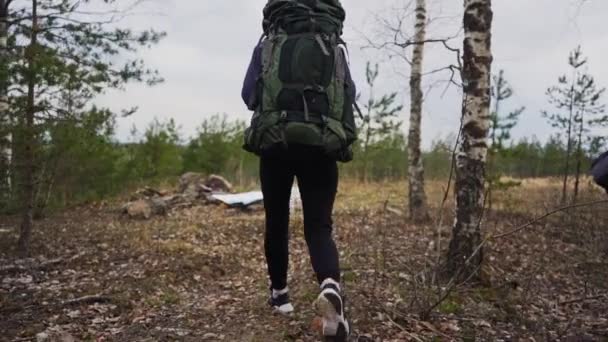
{"points": [[87, 300], [540, 218]]}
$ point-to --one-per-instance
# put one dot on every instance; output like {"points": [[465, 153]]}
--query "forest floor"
{"points": [[199, 274]]}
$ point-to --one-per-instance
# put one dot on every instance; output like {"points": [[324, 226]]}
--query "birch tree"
{"points": [[417, 196], [5, 156], [396, 39], [465, 254]]}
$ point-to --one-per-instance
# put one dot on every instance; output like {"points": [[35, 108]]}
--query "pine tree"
{"points": [[380, 120], [500, 131], [577, 102], [589, 115], [159, 152], [64, 49]]}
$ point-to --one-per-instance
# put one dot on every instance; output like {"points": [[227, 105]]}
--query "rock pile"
{"points": [[194, 188]]}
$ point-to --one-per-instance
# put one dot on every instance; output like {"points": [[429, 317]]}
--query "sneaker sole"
{"points": [[335, 328], [286, 311]]}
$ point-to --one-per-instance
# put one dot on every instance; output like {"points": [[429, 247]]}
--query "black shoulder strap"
{"points": [[358, 110]]}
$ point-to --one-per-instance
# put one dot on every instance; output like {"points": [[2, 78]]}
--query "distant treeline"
{"points": [[83, 161]]}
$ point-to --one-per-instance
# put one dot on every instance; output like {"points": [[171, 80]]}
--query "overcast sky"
{"points": [[209, 44]]}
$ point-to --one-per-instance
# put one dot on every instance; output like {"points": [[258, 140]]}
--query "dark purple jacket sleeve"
{"points": [[351, 87], [599, 171], [248, 92], [251, 78]]}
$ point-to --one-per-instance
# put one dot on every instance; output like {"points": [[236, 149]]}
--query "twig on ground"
{"points": [[403, 329], [540, 218], [426, 324], [452, 284], [22, 268], [87, 300], [582, 299]]}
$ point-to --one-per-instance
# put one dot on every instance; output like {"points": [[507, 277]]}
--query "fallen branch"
{"points": [[582, 299], [452, 284], [527, 225], [403, 329], [425, 324], [87, 300], [540, 218], [394, 211], [21, 268]]}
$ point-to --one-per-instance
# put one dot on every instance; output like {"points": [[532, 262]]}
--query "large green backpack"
{"points": [[301, 91]]}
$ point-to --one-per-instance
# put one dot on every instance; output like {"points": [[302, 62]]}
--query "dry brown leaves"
{"points": [[199, 274]]}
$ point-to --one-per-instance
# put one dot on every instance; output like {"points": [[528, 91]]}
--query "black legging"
{"points": [[318, 182]]}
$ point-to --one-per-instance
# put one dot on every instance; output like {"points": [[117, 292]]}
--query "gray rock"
{"points": [[188, 179], [42, 337], [141, 209], [218, 184]]}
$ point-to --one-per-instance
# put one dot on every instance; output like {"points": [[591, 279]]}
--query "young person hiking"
{"points": [[299, 86]]}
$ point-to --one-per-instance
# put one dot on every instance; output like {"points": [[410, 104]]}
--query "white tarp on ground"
{"points": [[246, 199], [240, 200]]}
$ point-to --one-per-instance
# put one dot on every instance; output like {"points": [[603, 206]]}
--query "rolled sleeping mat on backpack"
{"points": [[599, 171], [294, 16]]}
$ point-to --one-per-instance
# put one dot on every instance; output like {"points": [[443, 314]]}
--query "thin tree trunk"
{"points": [[417, 197], [5, 138], [569, 144], [492, 154], [240, 175], [465, 254], [491, 172], [368, 136], [29, 137], [579, 157]]}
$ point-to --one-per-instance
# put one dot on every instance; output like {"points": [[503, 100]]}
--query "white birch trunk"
{"points": [[417, 196], [465, 255], [5, 138]]}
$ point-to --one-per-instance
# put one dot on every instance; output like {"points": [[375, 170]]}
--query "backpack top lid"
{"points": [[297, 16]]}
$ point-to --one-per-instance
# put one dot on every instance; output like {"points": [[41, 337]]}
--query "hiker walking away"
{"points": [[300, 89], [599, 171]]}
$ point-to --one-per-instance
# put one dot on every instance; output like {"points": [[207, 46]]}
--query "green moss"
{"points": [[449, 306], [349, 277], [309, 295], [486, 294], [170, 297]]}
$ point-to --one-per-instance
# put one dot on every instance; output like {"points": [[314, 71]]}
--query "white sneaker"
{"points": [[279, 301], [330, 307]]}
